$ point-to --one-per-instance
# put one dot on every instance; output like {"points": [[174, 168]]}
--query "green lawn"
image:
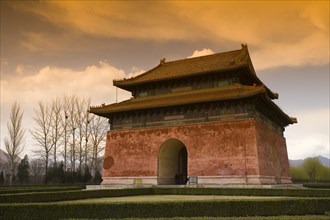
{"points": [[307, 217], [173, 198]]}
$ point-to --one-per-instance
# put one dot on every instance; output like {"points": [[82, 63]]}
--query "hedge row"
{"points": [[260, 207], [243, 192], [87, 194], [71, 195], [317, 185], [26, 189]]}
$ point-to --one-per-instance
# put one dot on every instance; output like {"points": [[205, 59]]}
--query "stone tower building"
{"points": [[209, 118]]}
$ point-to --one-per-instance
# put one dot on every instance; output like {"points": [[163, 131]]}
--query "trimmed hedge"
{"points": [[20, 189], [71, 195], [260, 207], [243, 192], [88, 194], [317, 185]]}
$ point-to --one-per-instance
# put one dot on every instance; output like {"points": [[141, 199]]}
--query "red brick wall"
{"points": [[214, 149], [272, 152]]}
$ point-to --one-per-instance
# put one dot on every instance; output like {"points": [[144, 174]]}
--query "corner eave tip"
{"points": [[294, 120]]}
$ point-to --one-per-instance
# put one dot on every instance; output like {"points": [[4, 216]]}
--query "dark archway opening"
{"points": [[172, 163]]}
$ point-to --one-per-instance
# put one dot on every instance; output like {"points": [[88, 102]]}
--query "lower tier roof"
{"points": [[182, 98], [233, 92]]}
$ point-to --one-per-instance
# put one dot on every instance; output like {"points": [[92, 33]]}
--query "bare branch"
{"points": [[42, 132]]}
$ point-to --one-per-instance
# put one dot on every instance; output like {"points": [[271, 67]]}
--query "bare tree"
{"points": [[65, 126], [56, 126], [98, 127], [36, 167], [87, 134], [42, 132], [66, 134], [37, 170], [80, 115], [73, 124], [14, 144]]}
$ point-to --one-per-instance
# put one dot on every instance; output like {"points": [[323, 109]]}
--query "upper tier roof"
{"points": [[220, 62]]}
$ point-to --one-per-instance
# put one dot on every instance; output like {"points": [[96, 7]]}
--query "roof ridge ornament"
{"points": [[244, 46], [162, 61]]}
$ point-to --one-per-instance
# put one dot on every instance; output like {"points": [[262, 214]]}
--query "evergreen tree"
{"points": [[23, 170], [87, 175], [2, 178], [79, 176], [97, 177], [55, 174], [60, 172]]}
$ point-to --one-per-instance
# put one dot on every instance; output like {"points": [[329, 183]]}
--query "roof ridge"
{"points": [[201, 57]]}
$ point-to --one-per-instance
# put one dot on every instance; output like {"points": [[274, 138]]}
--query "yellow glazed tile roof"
{"points": [[181, 98], [193, 66]]}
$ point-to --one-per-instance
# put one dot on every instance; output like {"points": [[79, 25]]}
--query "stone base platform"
{"points": [[284, 186], [234, 181], [201, 181]]}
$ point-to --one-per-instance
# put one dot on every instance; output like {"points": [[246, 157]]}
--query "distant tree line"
{"points": [[67, 143], [310, 171]]}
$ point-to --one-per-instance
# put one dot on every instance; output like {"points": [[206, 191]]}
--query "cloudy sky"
{"points": [[49, 49]]}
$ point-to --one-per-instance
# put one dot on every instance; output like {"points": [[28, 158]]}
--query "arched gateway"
{"points": [[226, 126], [172, 163]]}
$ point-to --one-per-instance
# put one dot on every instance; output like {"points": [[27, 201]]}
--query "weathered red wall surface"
{"points": [[272, 152], [214, 149]]}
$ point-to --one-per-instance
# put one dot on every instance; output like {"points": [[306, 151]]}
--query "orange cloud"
{"points": [[49, 82], [145, 20], [278, 33]]}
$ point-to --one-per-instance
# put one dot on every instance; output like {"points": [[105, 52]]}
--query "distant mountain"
{"points": [[323, 160], [296, 163], [3, 161], [3, 157]]}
